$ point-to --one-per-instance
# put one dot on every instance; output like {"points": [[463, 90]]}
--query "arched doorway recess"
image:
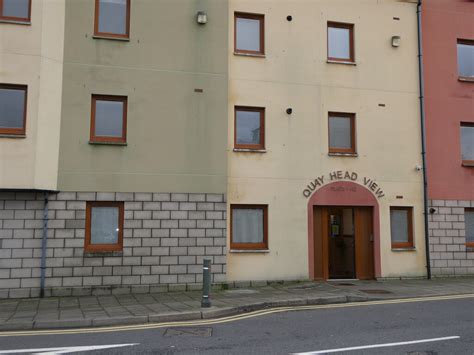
{"points": [[336, 212]]}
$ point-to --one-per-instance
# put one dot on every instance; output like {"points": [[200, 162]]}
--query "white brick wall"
{"points": [[447, 234], [166, 237]]}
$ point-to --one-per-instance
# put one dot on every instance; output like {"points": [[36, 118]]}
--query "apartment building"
{"points": [[324, 141], [113, 125], [281, 139], [448, 44]]}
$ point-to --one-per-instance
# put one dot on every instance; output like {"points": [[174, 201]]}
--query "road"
{"points": [[422, 327]]}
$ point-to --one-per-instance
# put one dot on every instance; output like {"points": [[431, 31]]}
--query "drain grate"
{"points": [[190, 331], [376, 292], [422, 353], [344, 284]]}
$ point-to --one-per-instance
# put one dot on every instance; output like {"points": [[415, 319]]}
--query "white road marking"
{"points": [[379, 345], [64, 350]]}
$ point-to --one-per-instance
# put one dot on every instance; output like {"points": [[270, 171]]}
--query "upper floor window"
{"points": [[109, 119], [248, 227], [401, 227], [104, 226], [112, 18], [466, 59], [467, 143], [342, 133], [249, 33], [249, 128], [469, 224], [15, 10], [13, 109], [341, 42]]}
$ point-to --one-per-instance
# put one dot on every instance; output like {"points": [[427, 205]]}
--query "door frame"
{"points": [[342, 193]]}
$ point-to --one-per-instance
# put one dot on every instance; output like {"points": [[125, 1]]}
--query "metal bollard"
{"points": [[206, 283]]}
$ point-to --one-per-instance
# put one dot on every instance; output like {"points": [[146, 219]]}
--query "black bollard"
{"points": [[206, 283]]}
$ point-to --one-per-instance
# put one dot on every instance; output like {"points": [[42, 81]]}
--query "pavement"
{"points": [[108, 310]]}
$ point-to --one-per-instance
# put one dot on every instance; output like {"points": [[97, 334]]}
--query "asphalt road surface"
{"points": [[415, 328]]}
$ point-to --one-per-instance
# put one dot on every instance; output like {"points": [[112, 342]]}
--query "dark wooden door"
{"points": [[320, 216], [364, 238]]}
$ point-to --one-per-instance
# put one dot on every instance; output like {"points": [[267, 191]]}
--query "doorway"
{"points": [[343, 242]]}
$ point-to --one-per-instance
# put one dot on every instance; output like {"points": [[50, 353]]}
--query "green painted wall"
{"points": [[176, 137]]}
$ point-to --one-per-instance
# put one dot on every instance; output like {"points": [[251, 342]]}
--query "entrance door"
{"points": [[343, 243]]}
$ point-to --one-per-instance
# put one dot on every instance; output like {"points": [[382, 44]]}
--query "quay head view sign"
{"points": [[340, 175]]}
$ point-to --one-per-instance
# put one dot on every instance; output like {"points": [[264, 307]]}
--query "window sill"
{"points": [[5, 135], [123, 39], [246, 150], [249, 251], [468, 163], [343, 155], [250, 55], [108, 143], [16, 22], [330, 61], [466, 79], [95, 254], [403, 249]]}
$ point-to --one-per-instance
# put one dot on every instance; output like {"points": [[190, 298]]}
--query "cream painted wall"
{"points": [[295, 74], [176, 137], [32, 55]]}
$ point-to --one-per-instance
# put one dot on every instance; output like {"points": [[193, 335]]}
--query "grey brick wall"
{"points": [[166, 237], [447, 234]]}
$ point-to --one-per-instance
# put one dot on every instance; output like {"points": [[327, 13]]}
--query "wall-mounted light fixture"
{"points": [[289, 18], [289, 110], [396, 41], [201, 18]]}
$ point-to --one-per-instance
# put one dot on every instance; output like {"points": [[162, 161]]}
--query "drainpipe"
{"points": [[423, 137], [44, 244]]}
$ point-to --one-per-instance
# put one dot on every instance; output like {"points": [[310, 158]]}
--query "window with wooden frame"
{"points": [[401, 227], [112, 18], [466, 59], [249, 227], [249, 34], [15, 10], [104, 226], [249, 128], [469, 226], [13, 109], [340, 42], [108, 119], [341, 128], [467, 143]]}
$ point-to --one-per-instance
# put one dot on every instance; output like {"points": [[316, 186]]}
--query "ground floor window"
{"points": [[104, 226], [469, 221], [401, 227], [249, 227]]}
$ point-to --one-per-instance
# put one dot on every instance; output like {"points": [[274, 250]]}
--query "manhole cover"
{"points": [[344, 284], [376, 292], [190, 331]]}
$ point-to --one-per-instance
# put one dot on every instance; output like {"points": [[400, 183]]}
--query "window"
{"points": [[341, 133], [469, 222], [249, 34], [109, 119], [467, 143], [112, 18], [401, 227], [340, 42], [104, 226], [13, 109], [15, 10], [249, 227], [466, 59], [249, 129]]}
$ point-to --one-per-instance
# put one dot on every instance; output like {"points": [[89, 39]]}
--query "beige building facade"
{"points": [[309, 192]]}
